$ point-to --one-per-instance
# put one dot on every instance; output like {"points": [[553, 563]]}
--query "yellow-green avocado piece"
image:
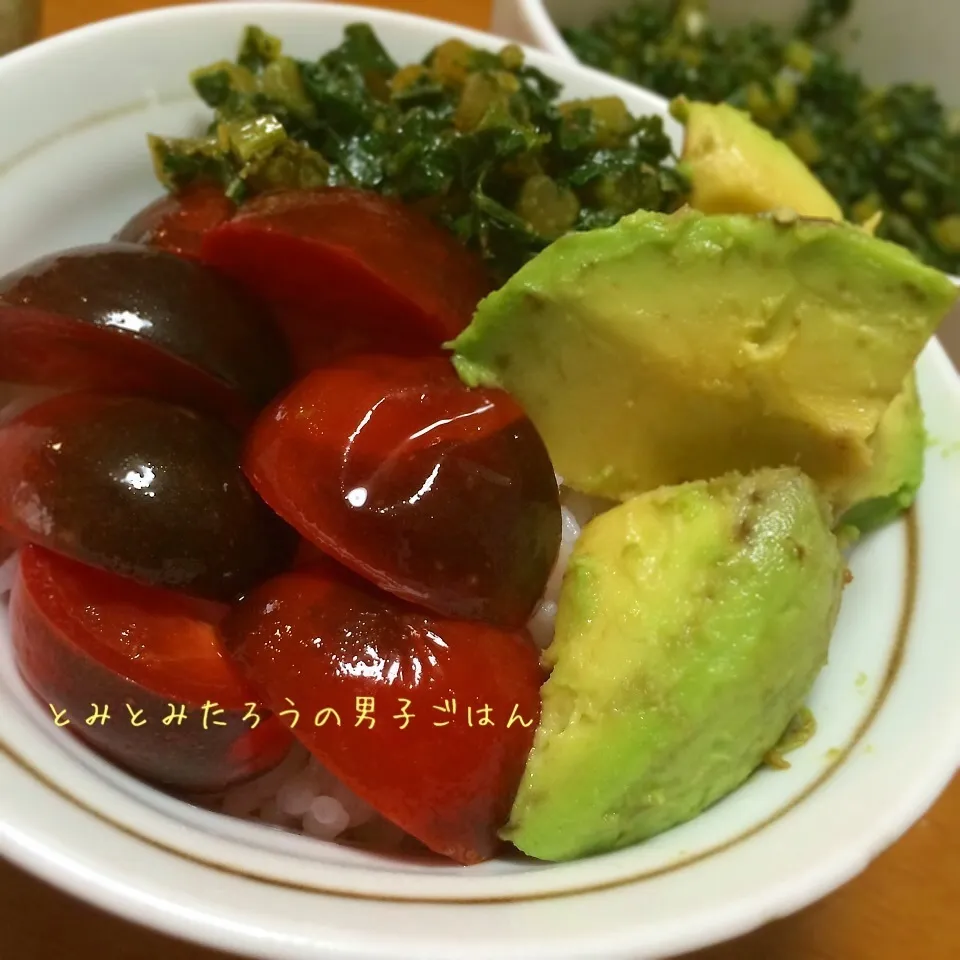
{"points": [[679, 347], [735, 166], [692, 624], [891, 485]]}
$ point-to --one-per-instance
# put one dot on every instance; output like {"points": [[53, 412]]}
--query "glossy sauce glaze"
{"points": [[347, 271], [141, 322], [441, 495], [451, 706], [140, 488], [151, 663]]}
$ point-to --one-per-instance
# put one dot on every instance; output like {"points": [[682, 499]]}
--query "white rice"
{"points": [[576, 510], [299, 796]]}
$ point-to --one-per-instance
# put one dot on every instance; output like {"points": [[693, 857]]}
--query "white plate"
{"points": [[73, 166]]}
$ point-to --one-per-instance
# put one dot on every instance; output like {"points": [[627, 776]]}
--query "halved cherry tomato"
{"points": [[141, 322], [348, 270], [429, 720], [140, 488], [442, 495], [177, 222], [87, 640]]}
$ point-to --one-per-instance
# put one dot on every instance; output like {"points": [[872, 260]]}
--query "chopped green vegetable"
{"points": [[477, 140], [257, 49], [894, 151]]}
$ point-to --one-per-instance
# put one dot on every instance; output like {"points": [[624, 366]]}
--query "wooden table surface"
{"points": [[907, 904]]}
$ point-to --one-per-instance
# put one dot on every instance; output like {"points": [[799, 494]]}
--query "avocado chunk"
{"points": [[892, 482], [735, 166], [680, 347], [692, 624]]}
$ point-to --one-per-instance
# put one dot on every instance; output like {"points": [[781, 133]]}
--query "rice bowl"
{"points": [[189, 855]]}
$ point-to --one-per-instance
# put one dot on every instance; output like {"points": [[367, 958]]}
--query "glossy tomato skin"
{"points": [[321, 640], [140, 488], [441, 495], [350, 271], [141, 322], [86, 640], [177, 222]]}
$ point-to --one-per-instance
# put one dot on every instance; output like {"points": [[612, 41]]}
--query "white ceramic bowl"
{"points": [[889, 40], [73, 167]]}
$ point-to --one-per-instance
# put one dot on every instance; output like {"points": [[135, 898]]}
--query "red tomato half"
{"points": [[86, 638], [142, 489], [129, 320], [42, 348], [429, 720], [348, 270], [441, 495], [177, 222]]}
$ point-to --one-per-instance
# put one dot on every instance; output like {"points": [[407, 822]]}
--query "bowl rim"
{"points": [[814, 887], [546, 31]]}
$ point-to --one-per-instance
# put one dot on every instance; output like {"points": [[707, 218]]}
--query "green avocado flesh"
{"points": [[673, 348], [736, 166], [692, 624], [891, 485]]}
